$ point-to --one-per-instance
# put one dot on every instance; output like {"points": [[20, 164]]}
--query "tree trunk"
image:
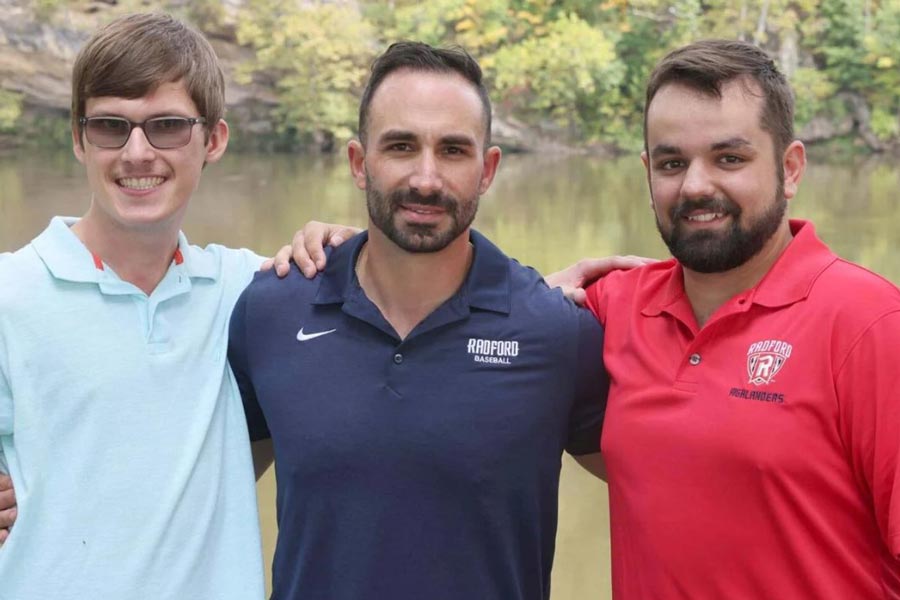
{"points": [[862, 117]]}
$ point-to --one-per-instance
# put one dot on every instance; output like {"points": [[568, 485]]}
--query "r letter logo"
{"points": [[765, 359]]}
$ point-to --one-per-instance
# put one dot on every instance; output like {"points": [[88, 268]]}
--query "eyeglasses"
{"points": [[163, 133]]}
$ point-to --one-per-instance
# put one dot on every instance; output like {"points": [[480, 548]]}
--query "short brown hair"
{"points": [[133, 55], [418, 56], [707, 65]]}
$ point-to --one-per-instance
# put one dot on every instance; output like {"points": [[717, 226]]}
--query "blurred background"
{"points": [[567, 82]]}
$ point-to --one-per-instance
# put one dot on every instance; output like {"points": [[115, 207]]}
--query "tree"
{"points": [[571, 75], [316, 56]]}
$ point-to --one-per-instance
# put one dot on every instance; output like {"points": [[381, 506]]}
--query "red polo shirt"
{"points": [[757, 456]]}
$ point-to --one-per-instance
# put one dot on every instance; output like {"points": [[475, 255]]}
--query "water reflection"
{"points": [[547, 212]]}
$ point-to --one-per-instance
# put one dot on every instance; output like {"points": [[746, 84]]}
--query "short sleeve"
{"points": [[245, 265], [591, 387], [251, 261], [866, 385], [6, 405], [238, 358], [6, 398], [596, 300]]}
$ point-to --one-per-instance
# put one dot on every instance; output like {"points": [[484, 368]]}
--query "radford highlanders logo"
{"points": [[765, 359], [495, 352]]}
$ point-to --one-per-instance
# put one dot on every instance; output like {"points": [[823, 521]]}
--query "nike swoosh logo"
{"points": [[303, 337]]}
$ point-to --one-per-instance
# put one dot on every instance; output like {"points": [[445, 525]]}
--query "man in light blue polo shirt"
{"points": [[120, 421]]}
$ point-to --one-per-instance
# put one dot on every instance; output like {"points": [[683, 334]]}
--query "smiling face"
{"points": [[139, 187], [718, 190], [424, 165]]}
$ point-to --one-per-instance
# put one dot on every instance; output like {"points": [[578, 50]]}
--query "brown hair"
{"points": [[707, 65], [418, 56], [131, 56]]}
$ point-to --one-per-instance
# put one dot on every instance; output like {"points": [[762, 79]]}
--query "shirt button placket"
{"points": [[395, 373]]}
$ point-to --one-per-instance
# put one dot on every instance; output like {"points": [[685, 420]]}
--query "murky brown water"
{"points": [[547, 212]]}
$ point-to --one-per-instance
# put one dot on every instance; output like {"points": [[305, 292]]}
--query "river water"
{"points": [[547, 212]]}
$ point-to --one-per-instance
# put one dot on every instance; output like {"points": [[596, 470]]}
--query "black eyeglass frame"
{"points": [[191, 121]]}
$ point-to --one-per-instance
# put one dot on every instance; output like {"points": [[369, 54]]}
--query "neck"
{"points": [[707, 292], [138, 257], [408, 286]]}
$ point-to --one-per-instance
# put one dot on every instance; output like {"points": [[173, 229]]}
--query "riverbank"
{"points": [[561, 83]]}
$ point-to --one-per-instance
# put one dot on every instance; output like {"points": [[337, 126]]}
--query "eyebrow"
{"points": [[664, 149], [396, 135], [402, 135], [457, 140], [729, 144]]}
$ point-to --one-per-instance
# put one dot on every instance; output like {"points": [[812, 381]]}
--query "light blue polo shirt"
{"points": [[122, 427]]}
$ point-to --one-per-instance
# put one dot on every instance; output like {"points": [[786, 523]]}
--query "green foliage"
{"points": [[49, 131], [575, 69], [10, 110], [570, 75], [316, 57], [885, 125], [883, 58], [479, 26], [208, 15], [812, 90], [840, 47]]}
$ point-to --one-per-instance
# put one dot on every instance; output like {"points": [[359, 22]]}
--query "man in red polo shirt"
{"points": [[752, 430]]}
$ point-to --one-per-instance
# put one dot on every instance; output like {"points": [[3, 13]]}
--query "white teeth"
{"points": [[140, 183], [423, 211], [706, 217]]}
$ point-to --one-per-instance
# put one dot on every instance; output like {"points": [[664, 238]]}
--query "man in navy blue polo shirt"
{"points": [[419, 392]]}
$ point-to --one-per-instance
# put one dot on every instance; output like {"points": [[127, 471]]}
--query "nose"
{"points": [[137, 148], [426, 177], [698, 181]]}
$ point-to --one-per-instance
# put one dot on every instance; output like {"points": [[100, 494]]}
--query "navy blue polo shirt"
{"points": [[425, 467]]}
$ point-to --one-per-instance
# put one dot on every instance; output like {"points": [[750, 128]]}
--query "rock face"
{"points": [[36, 58], [37, 52]]}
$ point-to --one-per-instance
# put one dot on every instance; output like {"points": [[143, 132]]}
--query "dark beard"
{"points": [[413, 237], [713, 251]]}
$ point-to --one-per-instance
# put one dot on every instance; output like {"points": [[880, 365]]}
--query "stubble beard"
{"points": [[413, 237]]}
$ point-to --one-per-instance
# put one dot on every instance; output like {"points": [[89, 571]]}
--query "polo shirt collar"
{"points": [[197, 263], [788, 281], [68, 259], [792, 276], [486, 287]]}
